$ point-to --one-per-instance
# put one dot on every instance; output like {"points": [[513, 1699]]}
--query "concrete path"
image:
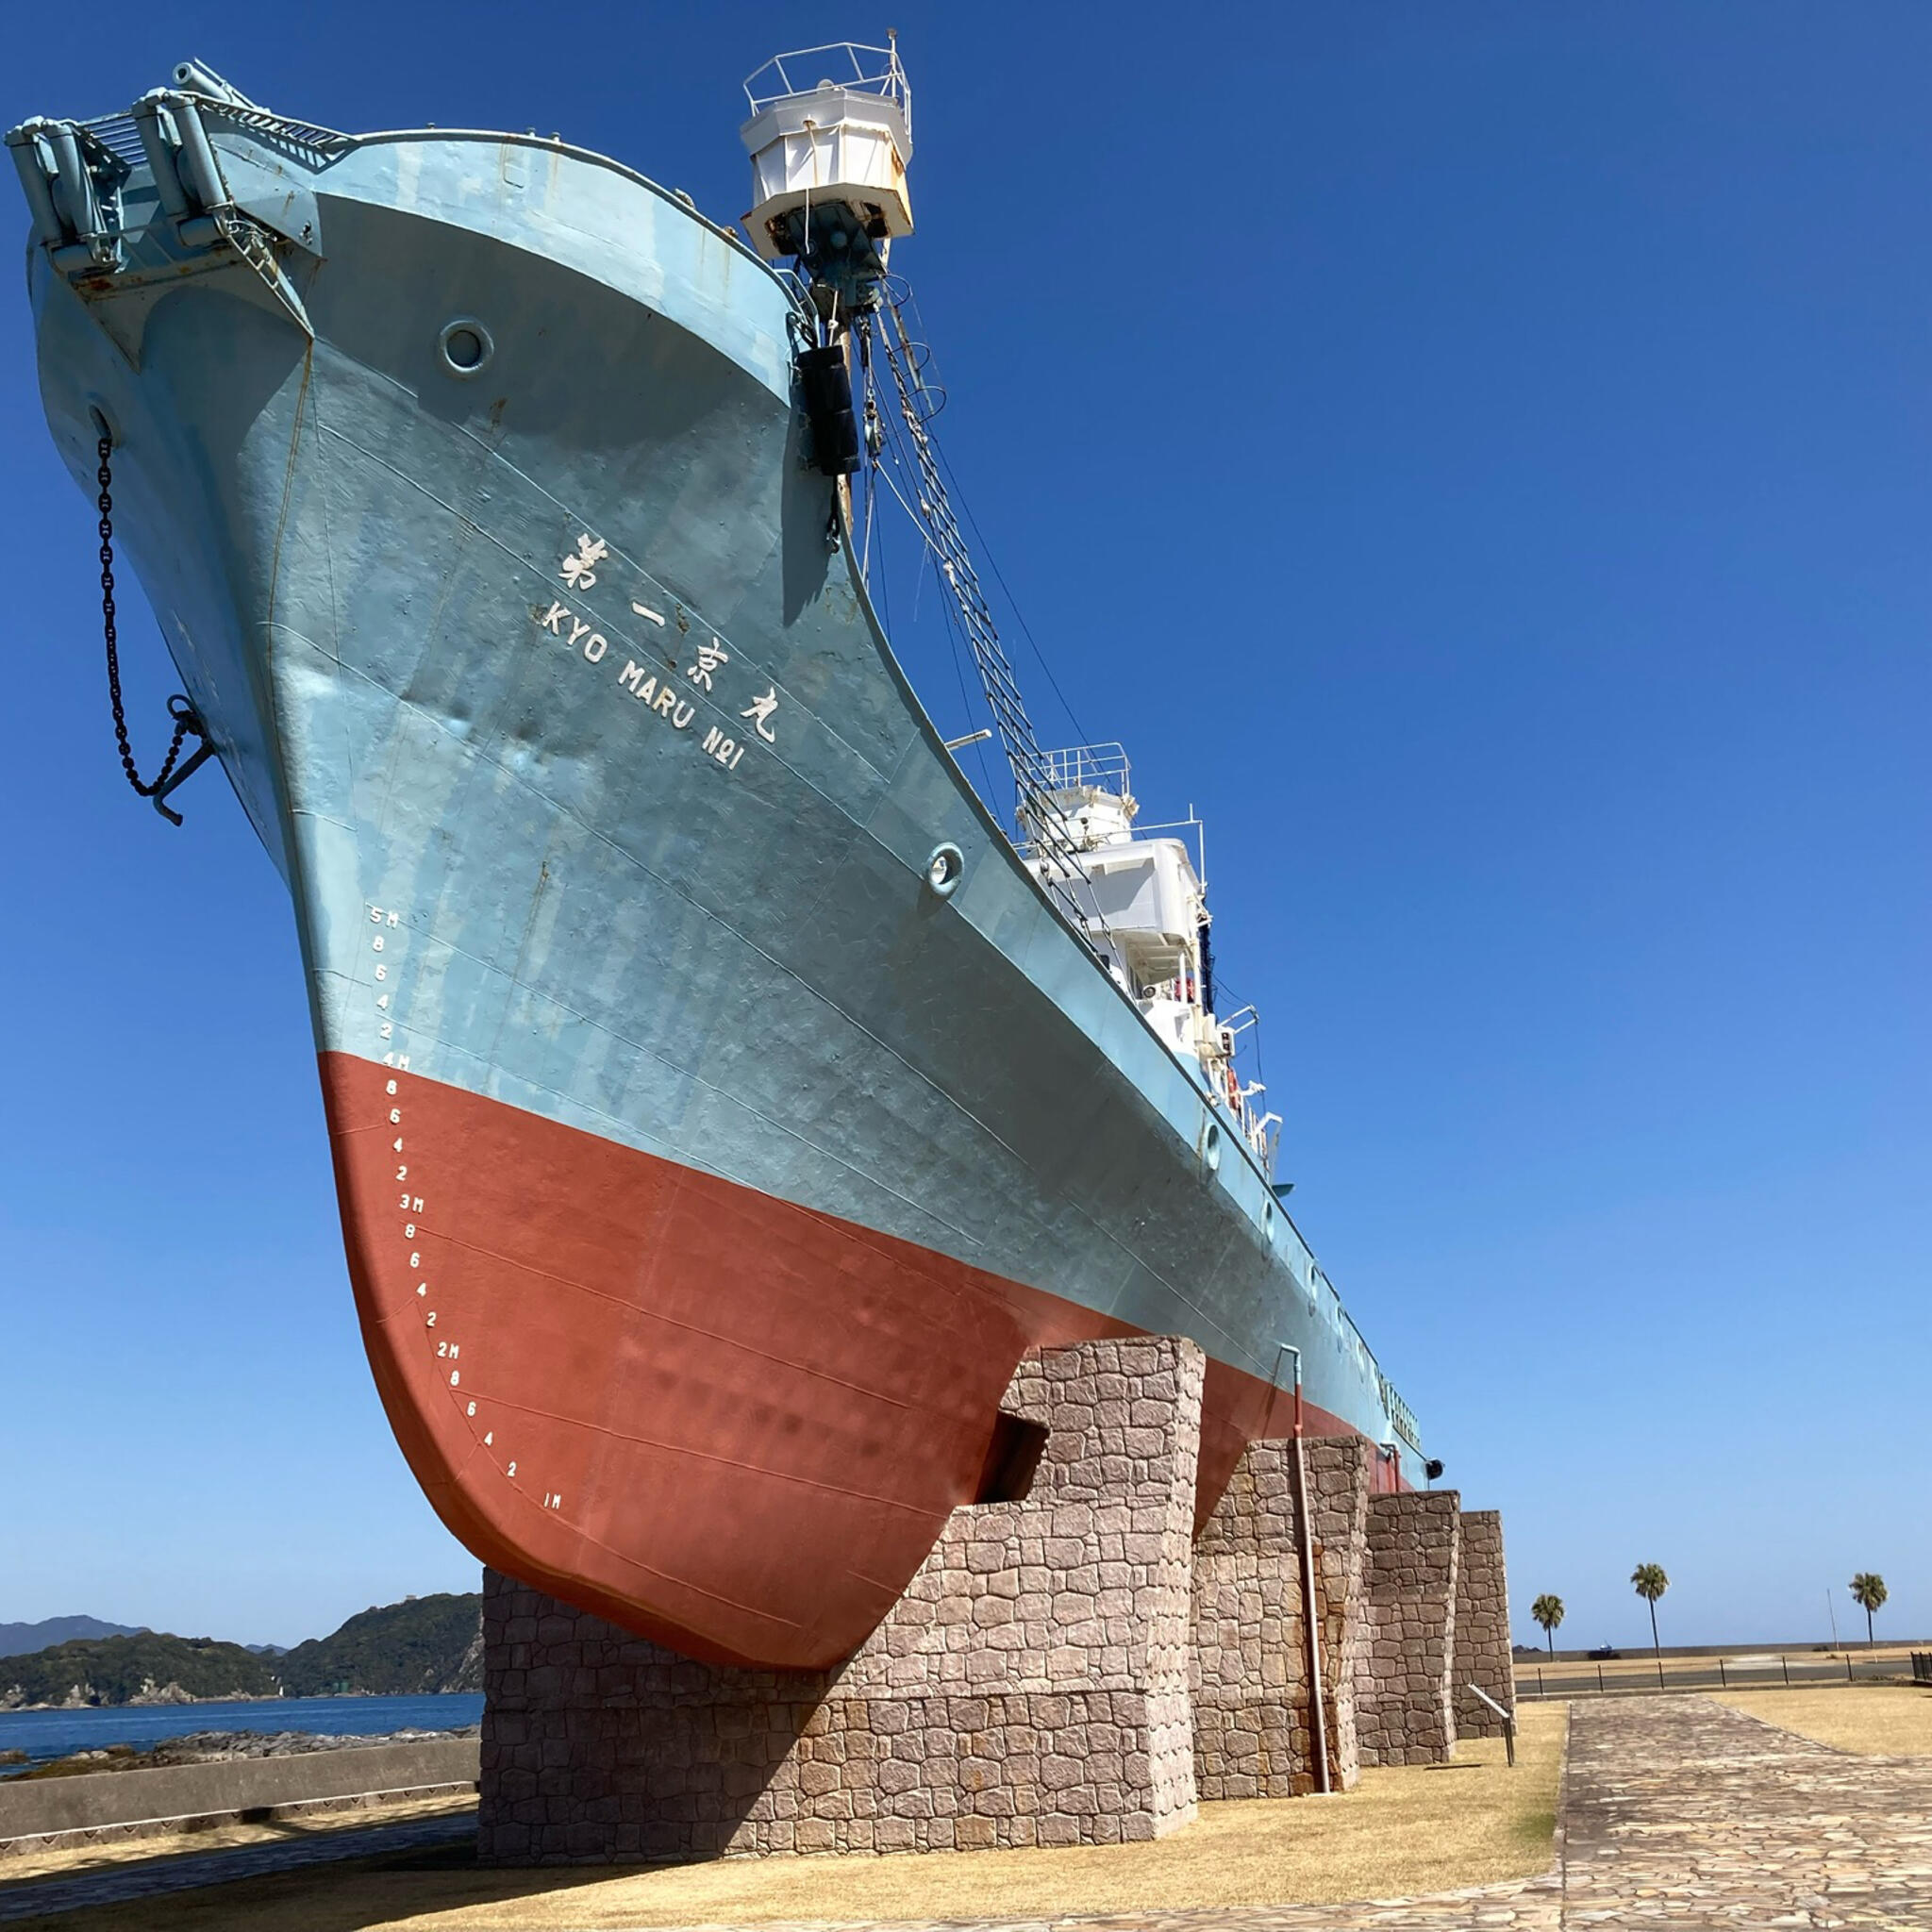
{"points": [[1679, 1814], [36, 1898]]}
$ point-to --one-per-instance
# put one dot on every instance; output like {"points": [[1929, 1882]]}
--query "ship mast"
{"points": [[829, 166]]}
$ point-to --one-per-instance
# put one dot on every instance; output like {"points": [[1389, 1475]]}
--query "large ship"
{"points": [[723, 1094]]}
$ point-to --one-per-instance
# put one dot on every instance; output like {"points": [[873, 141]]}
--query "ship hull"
{"points": [[676, 1378], [705, 1172]]}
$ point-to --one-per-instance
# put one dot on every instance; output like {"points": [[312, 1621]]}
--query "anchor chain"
{"points": [[184, 714]]}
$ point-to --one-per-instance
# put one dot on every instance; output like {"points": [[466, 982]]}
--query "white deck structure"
{"points": [[1148, 919]]}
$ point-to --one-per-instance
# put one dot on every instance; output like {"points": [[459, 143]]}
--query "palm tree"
{"points": [[1548, 1612], [1650, 1583], [1869, 1593]]}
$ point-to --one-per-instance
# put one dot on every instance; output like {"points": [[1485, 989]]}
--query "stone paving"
{"points": [[1679, 1811], [1679, 1814]]}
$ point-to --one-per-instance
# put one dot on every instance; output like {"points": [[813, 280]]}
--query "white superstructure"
{"points": [[1147, 917], [838, 144]]}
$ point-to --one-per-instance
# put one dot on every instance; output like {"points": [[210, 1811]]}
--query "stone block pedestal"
{"points": [[1066, 1668], [1482, 1653], [1031, 1688], [1253, 1732], [1403, 1708]]}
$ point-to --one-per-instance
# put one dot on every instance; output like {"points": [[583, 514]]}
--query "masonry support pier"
{"points": [[1253, 1715], [1482, 1650], [1068, 1667], [1031, 1688], [1403, 1708]]}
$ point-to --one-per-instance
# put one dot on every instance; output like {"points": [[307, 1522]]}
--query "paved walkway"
{"points": [[1679, 1814], [1682, 1812], [34, 1898]]}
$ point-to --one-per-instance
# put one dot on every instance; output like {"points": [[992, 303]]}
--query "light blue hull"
{"points": [[518, 879]]}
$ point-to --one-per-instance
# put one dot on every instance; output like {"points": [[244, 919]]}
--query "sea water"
{"points": [[43, 1734]]}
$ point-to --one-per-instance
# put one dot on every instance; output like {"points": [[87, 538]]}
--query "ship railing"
{"points": [[1190, 824], [1088, 768], [120, 136], [1400, 1415], [301, 140], [872, 71]]}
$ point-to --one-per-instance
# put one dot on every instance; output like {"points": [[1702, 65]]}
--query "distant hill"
{"points": [[17, 1639], [143, 1669], [422, 1644]]}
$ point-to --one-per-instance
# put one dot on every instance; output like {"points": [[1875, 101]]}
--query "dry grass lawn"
{"points": [[1400, 1832], [1876, 1720]]}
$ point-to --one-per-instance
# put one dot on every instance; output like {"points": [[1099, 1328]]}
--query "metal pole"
{"points": [[1599, 1677], [1508, 1718], [1785, 1664], [1721, 1680], [1305, 1541]]}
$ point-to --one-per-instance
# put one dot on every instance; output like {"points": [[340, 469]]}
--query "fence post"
{"points": [[1509, 1719], [1660, 1673], [1848, 1667], [1722, 1681], [1599, 1677], [1785, 1663], [1539, 1690]]}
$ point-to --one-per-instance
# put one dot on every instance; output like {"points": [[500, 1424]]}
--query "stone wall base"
{"points": [[1066, 1668], [1483, 1655], [1252, 1726], [1031, 1686], [1404, 1707]]}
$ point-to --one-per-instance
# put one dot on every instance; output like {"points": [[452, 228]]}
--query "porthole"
{"points": [[946, 869], [466, 346], [1268, 1219], [1214, 1147]]}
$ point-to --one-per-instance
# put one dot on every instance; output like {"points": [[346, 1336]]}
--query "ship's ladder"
{"points": [[1041, 828]]}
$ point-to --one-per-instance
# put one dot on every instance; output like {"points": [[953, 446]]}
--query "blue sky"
{"points": [[1524, 409]]}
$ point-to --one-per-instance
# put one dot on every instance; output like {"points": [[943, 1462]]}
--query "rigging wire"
{"points": [[894, 431], [909, 360], [902, 297], [1061, 869], [1080, 731], [1234, 1002]]}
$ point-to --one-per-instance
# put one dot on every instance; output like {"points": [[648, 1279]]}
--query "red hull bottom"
{"points": [[727, 1422]]}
